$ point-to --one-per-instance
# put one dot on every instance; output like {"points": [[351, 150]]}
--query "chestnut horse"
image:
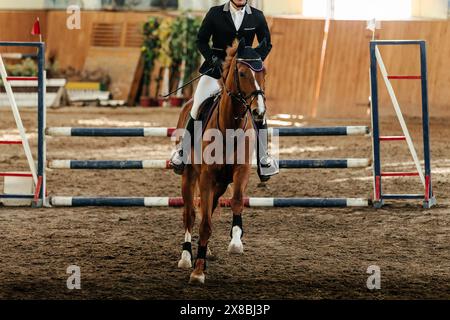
{"points": [[242, 94]]}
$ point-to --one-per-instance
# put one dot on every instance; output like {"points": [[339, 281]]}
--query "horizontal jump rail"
{"points": [[16, 196], [178, 202], [396, 42], [399, 174], [110, 132], [15, 174], [10, 142], [168, 132], [322, 131], [392, 138], [164, 164], [404, 77], [402, 196], [17, 56], [22, 44], [22, 78]]}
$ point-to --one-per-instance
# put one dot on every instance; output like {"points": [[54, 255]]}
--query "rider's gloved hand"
{"points": [[216, 63]]}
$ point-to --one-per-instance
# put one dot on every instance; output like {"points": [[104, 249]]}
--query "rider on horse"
{"points": [[225, 23]]}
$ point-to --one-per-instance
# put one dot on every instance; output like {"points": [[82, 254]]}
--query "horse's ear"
{"points": [[262, 45], [241, 46]]}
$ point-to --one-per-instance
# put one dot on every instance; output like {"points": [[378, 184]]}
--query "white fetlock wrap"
{"points": [[236, 245]]}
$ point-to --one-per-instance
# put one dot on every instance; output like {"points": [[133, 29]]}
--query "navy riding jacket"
{"points": [[218, 25]]}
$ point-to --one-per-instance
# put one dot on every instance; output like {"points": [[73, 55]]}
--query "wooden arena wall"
{"points": [[16, 26], [293, 65]]}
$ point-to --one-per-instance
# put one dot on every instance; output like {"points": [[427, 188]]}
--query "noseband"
{"points": [[240, 96]]}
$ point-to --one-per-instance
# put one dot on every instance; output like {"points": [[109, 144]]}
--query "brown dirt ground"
{"points": [[290, 253]]}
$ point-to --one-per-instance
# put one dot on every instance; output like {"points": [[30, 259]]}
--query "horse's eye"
{"points": [[242, 74]]}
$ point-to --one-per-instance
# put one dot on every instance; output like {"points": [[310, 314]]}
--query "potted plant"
{"points": [[184, 54], [164, 57], [150, 51], [192, 56], [26, 68], [178, 55]]}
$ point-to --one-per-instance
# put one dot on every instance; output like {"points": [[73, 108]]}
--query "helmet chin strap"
{"points": [[239, 6]]}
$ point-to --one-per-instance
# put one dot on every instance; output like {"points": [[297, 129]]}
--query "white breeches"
{"points": [[207, 86]]}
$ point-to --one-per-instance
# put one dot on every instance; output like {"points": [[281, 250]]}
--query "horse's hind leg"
{"points": [[188, 190], [240, 179], [206, 204], [219, 190]]}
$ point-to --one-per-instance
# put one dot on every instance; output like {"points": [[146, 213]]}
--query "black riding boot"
{"points": [[267, 166], [178, 159]]}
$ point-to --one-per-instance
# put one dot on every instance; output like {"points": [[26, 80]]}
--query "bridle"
{"points": [[239, 96]]}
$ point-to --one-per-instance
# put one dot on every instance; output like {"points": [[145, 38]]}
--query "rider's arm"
{"points": [[204, 35], [263, 32]]}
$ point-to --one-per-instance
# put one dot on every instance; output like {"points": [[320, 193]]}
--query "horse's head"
{"points": [[244, 77]]}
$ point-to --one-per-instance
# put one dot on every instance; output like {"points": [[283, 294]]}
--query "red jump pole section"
{"points": [[10, 142], [400, 174], [38, 190], [377, 188], [21, 78], [404, 77], [13, 174], [392, 138]]}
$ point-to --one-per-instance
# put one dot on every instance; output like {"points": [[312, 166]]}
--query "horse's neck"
{"points": [[229, 107], [226, 112]]}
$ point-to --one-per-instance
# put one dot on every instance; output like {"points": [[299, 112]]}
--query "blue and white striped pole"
{"points": [[167, 132], [164, 164], [178, 202]]}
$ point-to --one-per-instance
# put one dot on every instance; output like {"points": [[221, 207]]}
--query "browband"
{"points": [[247, 62]]}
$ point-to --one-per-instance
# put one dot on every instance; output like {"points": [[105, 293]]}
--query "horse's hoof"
{"points": [[236, 247], [184, 264], [262, 185], [197, 278]]}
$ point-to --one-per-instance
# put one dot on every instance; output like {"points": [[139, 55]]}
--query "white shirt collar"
{"points": [[234, 10], [248, 9]]}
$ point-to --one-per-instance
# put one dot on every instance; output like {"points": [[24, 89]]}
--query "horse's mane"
{"points": [[231, 53]]}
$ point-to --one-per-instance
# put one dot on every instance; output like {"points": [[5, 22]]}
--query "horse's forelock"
{"points": [[231, 53]]}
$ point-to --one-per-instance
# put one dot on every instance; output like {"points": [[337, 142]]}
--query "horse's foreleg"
{"points": [[206, 205], [240, 180], [188, 190]]}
